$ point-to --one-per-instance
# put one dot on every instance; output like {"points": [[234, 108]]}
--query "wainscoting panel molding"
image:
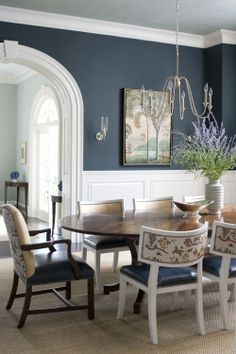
{"points": [[105, 185]]}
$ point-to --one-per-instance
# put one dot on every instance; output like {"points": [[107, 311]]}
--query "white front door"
{"points": [[47, 155]]}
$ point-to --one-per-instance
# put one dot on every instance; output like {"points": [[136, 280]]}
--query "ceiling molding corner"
{"points": [[220, 37]]}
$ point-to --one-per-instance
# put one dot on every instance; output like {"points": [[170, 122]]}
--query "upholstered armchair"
{"points": [[166, 260], [42, 264]]}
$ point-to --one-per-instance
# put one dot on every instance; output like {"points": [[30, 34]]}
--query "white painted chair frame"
{"points": [[104, 206], [155, 204], [224, 280], [152, 289]]}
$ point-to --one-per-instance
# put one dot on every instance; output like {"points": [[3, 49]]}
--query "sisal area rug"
{"points": [[72, 333]]}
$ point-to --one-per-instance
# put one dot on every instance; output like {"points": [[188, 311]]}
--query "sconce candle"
{"points": [[101, 136]]}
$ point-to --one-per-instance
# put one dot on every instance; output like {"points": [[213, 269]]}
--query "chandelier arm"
{"points": [[204, 113]]}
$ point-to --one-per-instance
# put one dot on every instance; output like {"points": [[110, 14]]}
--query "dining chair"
{"points": [[193, 198], [41, 264], [102, 244], [152, 204], [166, 259], [220, 266]]}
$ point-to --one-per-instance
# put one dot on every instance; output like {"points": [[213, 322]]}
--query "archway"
{"points": [[72, 114]]}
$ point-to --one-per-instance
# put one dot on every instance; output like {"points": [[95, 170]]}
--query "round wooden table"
{"points": [[128, 226]]}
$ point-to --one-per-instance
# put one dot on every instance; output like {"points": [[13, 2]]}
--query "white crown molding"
{"points": [[45, 19], [17, 79], [219, 37], [73, 23]]}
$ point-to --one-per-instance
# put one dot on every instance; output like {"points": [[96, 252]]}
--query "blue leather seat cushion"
{"points": [[104, 242], [166, 277], [55, 267], [212, 264]]}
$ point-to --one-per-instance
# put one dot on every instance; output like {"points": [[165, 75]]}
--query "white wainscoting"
{"points": [[105, 185]]}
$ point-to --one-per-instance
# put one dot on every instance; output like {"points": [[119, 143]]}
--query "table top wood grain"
{"points": [[128, 224]]}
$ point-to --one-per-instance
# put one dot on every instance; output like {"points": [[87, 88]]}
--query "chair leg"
{"points": [[91, 299], [115, 261], [84, 253], [122, 297], [152, 316], [68, 290], [98, 272], [13, 291], [174, 299], [232, 297], [199, 310], [224, 303], [28, 294]]}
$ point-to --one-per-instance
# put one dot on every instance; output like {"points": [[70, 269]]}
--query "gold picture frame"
{"points": [[23, 152], [147, 140]]}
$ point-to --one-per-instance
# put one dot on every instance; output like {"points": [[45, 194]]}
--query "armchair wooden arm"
{"points": [[50, 245], [36, 232]]}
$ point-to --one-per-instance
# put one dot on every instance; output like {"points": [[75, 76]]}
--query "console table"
{"points": [[18, 185]]}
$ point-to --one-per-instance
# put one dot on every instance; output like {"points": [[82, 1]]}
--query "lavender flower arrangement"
{"points": [[208, 152]]}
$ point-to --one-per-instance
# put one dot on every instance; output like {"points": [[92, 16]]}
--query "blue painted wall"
{"points": [[229, 88], [104, 65]]}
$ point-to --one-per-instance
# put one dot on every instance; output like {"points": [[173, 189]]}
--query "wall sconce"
{"points": [[101, 136]]}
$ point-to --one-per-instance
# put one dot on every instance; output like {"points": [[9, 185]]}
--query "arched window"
{"points": [[46, 154]]}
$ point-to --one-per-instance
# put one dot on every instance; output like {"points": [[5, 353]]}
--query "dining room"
{"points": [[144, 102]]}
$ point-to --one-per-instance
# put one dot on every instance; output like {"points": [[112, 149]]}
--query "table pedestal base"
{"points": [[107, 289]]}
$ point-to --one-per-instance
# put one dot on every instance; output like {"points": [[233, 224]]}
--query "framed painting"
{"points": [[23, 152], [147, 137]]}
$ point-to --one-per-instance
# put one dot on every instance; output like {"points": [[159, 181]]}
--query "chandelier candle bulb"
{"points": [[210, 98], [205, 94]]}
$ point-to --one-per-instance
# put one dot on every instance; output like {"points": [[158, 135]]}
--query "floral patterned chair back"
{"points": [[172, 248], [24, 262], [223, 239]]}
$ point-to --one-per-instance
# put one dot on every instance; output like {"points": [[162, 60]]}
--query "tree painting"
{"points": [[147, 139]]}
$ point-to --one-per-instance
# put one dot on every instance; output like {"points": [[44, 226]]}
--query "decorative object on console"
{"points": [[208, 152], [174, 87], [147, 141], [59, 186], [14, 176], [101, 136], [193, 209]]}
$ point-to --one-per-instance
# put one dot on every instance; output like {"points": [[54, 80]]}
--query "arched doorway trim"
{"points": [[72, 113]]}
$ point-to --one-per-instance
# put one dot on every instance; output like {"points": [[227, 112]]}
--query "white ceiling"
{"points": [[13, 73], [196, 16]]}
